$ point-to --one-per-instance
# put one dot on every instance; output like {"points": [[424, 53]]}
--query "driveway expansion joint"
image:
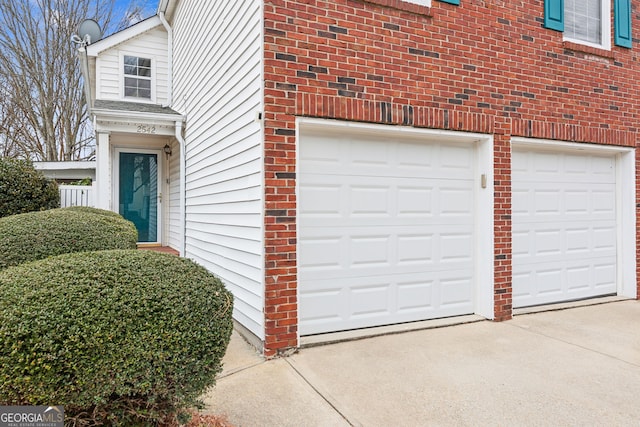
{"points": [[527, 329], [319, 393]]}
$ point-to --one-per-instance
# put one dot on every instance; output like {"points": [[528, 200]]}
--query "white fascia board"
{"points": [[94, 49], [129, 115], [81, 165]]}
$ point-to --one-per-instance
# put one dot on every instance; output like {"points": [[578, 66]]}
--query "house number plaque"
{"points": [[145, 129]]}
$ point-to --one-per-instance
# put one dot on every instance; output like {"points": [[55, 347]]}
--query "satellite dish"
{"points": [[90, 31]]}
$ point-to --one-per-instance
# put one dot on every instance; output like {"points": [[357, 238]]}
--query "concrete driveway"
{"points": [[579, 366]]}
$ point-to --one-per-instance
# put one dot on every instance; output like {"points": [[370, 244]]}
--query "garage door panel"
{"points": [[384, 157], [415, 201], [564, 226], [364, 251], [550, 167], [323, 200], [328, 201], [370, 252], [369, 200], [539, 242], [362, 302], [574, 279], [542, 202], [416, 249], [322, 253], [397, 216]]}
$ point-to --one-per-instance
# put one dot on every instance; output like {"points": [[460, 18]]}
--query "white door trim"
{"points": [[160, 187], [625, 202], [484, 196]]}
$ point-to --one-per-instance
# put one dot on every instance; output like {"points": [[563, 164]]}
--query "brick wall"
{"points": [[485, 66]]}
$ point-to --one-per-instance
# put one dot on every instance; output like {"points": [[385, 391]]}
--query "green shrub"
{"points": [[36, 235], [120, 337], [24, 189], [90, 210]]}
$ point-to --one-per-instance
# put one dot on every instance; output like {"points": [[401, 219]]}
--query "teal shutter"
{"points": [[456, 2], [622, 22], [554, 14]]}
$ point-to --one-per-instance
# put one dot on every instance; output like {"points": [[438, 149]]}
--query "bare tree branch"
{"points": [[42, 108]]}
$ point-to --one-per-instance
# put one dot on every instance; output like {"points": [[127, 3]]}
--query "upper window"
{"points": [[137, 77], [589, 21], [583, 22]]}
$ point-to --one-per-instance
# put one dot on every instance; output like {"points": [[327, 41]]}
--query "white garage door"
{"points": [[386, 230], [564, 226]]}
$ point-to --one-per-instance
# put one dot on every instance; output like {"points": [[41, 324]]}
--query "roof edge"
{"points": [[94, 49]]}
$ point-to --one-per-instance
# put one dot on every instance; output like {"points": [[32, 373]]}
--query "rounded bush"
{"points": [[118, 337], [91, 210], [24, 189], [36, 235]]}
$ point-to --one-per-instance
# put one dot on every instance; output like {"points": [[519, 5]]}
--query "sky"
{"points": [[121, 7]]}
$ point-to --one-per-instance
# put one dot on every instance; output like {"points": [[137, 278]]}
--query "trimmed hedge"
{"points": [[24, 189], [36, 235], [118, 337], [90, 210]]}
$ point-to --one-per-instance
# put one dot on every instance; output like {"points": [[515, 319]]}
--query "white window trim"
{"points": [[605, 13], [121, 77], [426, 3]]}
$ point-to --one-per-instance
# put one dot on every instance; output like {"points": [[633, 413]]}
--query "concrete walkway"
{"points": [[576, 367]]}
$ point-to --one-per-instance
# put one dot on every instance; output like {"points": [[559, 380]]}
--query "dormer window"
{"points": [[137, 77]]}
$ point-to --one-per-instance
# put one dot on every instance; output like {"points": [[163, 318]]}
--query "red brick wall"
{"points": [[485, 66]]}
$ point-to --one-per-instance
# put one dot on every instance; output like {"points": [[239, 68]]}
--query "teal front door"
{"points": [[138, 194]]}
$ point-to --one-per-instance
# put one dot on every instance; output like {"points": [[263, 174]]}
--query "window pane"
{"points": [[130, 60], [144, 62], [140, 86], [583, 20]]}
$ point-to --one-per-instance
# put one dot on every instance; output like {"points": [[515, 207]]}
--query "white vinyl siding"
{"points": [[110, 76], [217, 85]]}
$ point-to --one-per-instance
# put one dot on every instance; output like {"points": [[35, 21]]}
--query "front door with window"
{"points": [[138, 193]]}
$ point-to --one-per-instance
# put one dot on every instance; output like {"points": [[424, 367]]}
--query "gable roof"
{"points": [[94, 49]]}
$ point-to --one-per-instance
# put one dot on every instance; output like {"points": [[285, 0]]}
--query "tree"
{"points": [[42, 107]]}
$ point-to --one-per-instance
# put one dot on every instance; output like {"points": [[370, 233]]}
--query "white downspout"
{"points": [[183, 188], [178, 130], [169, 57]]}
